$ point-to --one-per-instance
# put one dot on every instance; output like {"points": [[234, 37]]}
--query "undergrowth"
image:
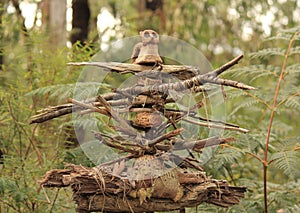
{"points": [[266, 159]]}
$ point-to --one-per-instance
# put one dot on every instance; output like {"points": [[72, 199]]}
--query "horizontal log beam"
{"points": [[95, 190]]}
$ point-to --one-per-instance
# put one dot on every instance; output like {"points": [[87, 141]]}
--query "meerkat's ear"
{"points": [[141, 32]]}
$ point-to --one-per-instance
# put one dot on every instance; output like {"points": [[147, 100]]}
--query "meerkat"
{"points": [[146, 52]]}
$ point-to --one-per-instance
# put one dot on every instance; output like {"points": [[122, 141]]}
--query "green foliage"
{"points": [[35, 76], [242, 162], [61, 92], [31, 150]]}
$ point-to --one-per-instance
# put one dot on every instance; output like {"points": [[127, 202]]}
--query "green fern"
{"points": [[293, 209], [253, 109], [287, 161], [265, 53], [63, 91]]}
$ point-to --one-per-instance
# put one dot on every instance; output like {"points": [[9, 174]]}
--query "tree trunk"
{"points": [[156, 8], [80, 21], [54, 21], [1, 36]]}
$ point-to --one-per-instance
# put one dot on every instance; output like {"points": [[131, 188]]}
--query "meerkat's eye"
{"points": [[146, 34], [154, 35]]}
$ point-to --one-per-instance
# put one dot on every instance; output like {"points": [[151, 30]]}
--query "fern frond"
{"points": [[287, 161], [246, 104], [295, 50], [291, 30], [285, 34], [294, 68], [280, 128], [293, 209], [253, 71], [293, 101], [267, 53], [266, 74], [285, 37], [63, 91]]}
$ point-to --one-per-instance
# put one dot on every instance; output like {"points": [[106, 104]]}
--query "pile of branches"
{"points": [[144, 178], [96, 190]]}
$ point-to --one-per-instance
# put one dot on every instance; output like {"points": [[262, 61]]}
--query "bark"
{"points": [[142, 180], [80, 21], [95, 190], [54, 21], [121, 97]]}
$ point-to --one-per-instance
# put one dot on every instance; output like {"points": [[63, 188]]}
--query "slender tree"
{"points": [[80, 21], [1, 34], [54, 21]]}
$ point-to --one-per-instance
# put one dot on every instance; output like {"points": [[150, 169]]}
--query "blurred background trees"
{"points": [[38, 38]]}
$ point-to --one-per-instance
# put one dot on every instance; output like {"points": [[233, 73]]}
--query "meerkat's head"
{"points": [[149, 37]]}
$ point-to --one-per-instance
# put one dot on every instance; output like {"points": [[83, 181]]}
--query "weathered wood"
{"points": [[95, 190], [191, 79], [182, 72], [142, 180]]}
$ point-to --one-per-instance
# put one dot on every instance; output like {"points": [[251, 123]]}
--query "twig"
{"points": [[123, 124], [134, 151], [40, 118], [89, 106], [224, 82], [265, 161], [200, 144], [54, 200], [228, 65], [117, 160], [45, 193], [35, 148], [185, 160], [165, 136], [9, 204], [186, 84], [211, 125]]}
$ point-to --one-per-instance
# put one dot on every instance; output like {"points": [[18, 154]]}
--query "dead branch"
{"points": [[134, 151], [178, 71], [212, 125], [194, 83], [175, 70], [198, 145], [165, 136]]}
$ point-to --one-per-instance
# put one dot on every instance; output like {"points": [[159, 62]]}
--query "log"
{"points": [[95, 190]]}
